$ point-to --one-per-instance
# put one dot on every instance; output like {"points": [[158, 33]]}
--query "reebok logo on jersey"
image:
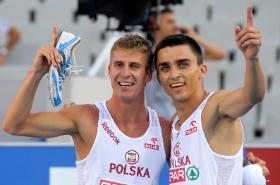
{"points": [[153, 145], [110, 133], [192, 129]]}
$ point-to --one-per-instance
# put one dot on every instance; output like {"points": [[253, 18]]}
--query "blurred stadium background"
{"points": [[36, 161]]}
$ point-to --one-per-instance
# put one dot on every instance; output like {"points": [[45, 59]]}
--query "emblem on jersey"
{"points": [[105, 182], [110, 133], [177, 149], [153, 145], [132, 157], [192, 173], [192, 129], [177, 175]]}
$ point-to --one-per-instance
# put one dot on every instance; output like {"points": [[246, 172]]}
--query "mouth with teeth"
{"points": [[126, 84], [176, 85]]}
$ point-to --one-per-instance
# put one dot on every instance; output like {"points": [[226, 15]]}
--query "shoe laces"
{"points": [[67, 69]]}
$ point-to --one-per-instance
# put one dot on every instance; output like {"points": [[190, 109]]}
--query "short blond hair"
{"points": [[137, 43]]}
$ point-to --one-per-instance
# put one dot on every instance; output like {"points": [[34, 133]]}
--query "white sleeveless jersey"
{"points": [[192, 160], [116, 159]]}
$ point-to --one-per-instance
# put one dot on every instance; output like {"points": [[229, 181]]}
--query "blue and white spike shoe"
{"points": [[65, 46]]}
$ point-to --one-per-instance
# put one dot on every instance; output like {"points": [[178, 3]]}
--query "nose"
{"points": [[125, 71], [174, 73]]}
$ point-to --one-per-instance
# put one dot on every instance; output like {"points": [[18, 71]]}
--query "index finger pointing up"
{"points": [[54, 36], [249, 16]]}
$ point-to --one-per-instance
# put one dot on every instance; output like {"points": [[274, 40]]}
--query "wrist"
{"points": [[35, 73], [252, 59]]}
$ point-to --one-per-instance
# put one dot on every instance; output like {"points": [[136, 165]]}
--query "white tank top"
{"points": [[116, 159], [193, 161]]}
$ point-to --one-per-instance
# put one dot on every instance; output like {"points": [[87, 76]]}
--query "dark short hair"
{"points": [[137, 43], [176, 40]]}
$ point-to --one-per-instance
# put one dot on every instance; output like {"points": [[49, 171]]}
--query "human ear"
{"points": [[203, 71], [109, 70], [149, 75]]}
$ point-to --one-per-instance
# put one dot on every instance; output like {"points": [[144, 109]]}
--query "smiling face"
{"points": [[128, 73], [179, 72]]}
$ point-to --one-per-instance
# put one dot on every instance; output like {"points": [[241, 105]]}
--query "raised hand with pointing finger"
{"points": [[249, 38]]}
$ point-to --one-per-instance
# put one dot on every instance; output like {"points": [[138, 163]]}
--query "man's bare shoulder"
{"points": [[219, 94], [79, 107], [88, 108], [211, 110], [216, 98], [212, 114], [81, 112], [223, 97]]}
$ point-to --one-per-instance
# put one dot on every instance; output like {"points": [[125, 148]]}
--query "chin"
{"points": [[180, 98], [127, 99]]}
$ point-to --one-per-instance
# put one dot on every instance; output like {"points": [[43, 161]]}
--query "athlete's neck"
{"points": [[185, 109], [126, 113], [131, 118]]}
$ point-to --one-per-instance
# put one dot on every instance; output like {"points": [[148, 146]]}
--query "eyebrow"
{"points": [[183, 60], [164, 63], [117, 61], [135, 63], [130, 63]]}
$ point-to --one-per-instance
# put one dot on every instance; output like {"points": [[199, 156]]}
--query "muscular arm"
{"points": [[19, 120], [237, 102]]}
